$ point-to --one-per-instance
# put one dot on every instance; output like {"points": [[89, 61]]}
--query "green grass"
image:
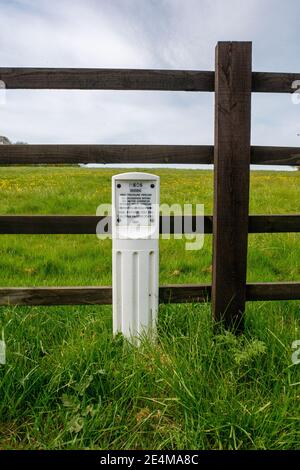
{"points": [[68, 384]]}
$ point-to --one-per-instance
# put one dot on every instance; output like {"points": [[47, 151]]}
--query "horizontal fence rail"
{"points": [[171, 154], [87, 224], [275, 155], [184, 293], [273, 82], [107, 79], [134, 79], [47, 154]]}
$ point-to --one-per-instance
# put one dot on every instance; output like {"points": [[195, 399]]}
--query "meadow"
{"points": [[68, 384]]}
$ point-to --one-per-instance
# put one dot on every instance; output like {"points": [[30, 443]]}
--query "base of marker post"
{"points": [[135, 292]]}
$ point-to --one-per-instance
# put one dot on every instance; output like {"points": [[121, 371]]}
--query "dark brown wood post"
{"points": [[233, 77]]}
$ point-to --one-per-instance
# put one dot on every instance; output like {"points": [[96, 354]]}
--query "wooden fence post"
{"points": [[233, 78]]}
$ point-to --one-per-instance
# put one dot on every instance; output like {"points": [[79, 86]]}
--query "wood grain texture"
{"points": [[177, 293], [134, 79], [272, 82], [107, 79], [231, 181], [274, 223], [56, 295], [72, 154], [53, 224], [175, 154], [94, 295], [273, 291], [87, 224], [183, 293], [275, 155]]}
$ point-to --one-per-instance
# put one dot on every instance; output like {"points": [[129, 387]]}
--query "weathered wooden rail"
{"points": [[135, 79], [87, 224], [174, 293], [185, 154], [232, 82]]}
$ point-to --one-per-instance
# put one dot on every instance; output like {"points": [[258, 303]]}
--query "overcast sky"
{"points": [[172, 34]]}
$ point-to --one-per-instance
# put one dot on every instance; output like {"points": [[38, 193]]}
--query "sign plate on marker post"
{"points": [[135, 232]]}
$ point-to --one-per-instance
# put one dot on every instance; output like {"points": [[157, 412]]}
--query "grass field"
{"points": [[68, 384]]}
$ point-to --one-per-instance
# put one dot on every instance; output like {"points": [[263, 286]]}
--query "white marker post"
{"points": [[135, 233]]}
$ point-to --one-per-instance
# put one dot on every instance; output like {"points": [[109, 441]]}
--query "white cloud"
{"points": [[108, 117], [146, 34], [64, 33]]}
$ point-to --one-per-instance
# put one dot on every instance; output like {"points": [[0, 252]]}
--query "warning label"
{"points": [[135, 202]]}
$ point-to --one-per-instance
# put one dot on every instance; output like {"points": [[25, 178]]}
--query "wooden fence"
{"points": [[232, 82]]}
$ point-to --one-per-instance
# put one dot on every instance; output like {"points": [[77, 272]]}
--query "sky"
{"points": [[167, 34]]}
